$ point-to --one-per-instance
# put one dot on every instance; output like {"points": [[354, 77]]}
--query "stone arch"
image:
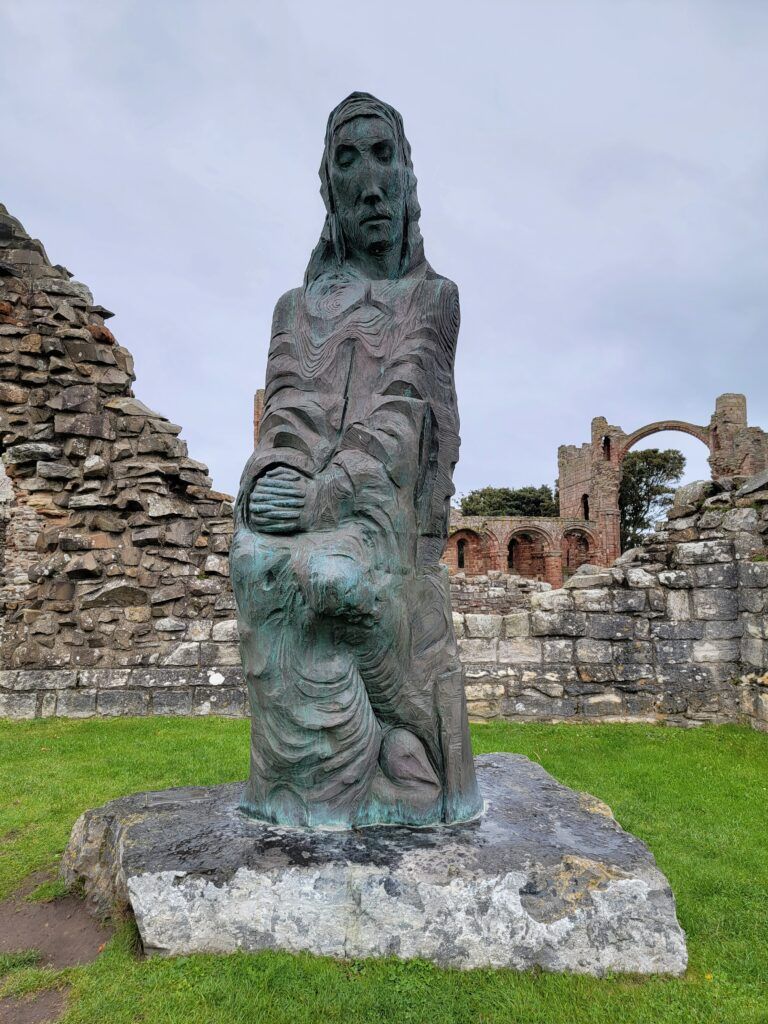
{"points": [[701, 433], [527, 549], [465, 552]]}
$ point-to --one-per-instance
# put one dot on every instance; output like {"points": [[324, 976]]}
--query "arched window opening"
{"points": [[465, 552], [576, 551], [525, 556], [606, 448], [585, 506]]}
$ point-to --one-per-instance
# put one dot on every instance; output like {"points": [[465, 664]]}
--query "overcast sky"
{"points": [[592, 173]]}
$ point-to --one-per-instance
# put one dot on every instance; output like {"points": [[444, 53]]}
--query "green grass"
{"points": [[15, 961], [48, 891], [698, 798]]}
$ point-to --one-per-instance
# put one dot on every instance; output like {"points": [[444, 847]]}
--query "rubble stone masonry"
{"points": [[675, 631], [114, 587], [589, 478]]}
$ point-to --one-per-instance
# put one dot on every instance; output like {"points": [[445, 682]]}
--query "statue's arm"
{"points": [[274, 485]]}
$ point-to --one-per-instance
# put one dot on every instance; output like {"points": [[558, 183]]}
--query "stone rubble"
{"points": [[675, 631], [109, 531]]}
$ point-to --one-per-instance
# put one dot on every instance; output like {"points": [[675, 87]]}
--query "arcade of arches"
{"points": [[540, 549], [589, 475]]}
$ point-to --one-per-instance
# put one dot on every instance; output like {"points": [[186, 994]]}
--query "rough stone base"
{"points": [[546, 878]]}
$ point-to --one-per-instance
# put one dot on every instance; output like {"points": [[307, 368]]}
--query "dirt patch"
{"points": [[40, 1008], [63, 930]]}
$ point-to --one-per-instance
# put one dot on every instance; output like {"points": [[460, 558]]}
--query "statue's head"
{"points": [[369, 189]]}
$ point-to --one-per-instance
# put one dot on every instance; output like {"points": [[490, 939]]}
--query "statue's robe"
{"points": [[346, 630]]}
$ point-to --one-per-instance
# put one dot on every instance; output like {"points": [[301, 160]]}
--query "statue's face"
{"points": [[368, 183]]}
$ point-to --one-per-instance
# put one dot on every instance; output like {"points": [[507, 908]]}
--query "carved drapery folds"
{"points": [[356, 689]]}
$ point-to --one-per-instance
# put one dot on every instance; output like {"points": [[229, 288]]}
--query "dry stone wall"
{"points": [[676, 631], [114, 588], [493, 592]]}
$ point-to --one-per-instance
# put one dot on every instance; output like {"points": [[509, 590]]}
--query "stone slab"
{"points": [[546, 877]]}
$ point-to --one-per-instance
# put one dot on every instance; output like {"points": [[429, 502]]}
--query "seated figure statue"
{"points": [[358, 713]]}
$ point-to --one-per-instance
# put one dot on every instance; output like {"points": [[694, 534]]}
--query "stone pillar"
{"points": [[610, 534], [736, 449], [553, 567]]}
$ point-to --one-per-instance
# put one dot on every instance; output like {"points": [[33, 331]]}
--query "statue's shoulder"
{"points": [[440, 283], [441, 289], [285, 311], [442, 294]]}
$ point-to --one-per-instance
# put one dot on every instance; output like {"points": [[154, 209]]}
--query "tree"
{"points": [[507, 501], [646, 490]]}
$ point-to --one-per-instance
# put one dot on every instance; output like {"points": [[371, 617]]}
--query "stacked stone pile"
{"points": [[494, 592], [114, 548], [676, 631]]}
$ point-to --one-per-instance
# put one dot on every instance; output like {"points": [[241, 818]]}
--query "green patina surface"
{"points": [[356, 689]]}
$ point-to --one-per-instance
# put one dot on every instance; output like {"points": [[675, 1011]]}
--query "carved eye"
{"points": [[383, 152], [345, 156]]}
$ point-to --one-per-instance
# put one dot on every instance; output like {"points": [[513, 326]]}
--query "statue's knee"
{"points": [[256, 560], [403, 759], [337, 585]]}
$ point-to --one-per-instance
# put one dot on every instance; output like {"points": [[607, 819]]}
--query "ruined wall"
{"points": [[574, 478], [114, 593], [538, 547], [114, 589], [493, 593], [676, 632]]}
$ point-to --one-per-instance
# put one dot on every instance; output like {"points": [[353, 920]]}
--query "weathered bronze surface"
{"points": [[358, 713]]}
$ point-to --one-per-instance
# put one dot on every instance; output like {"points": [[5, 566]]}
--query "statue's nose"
{"points": [[373, 195]]}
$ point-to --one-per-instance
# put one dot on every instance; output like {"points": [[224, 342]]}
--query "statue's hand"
{"points": [[277, 501]]}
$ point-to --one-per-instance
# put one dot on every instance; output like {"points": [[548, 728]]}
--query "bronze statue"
{"points": [[358, 714]]}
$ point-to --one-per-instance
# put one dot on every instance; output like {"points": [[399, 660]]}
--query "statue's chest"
{"points": [[351, 356]]}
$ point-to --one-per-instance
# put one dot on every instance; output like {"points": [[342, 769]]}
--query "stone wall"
{"points": [[674, 632], [114, 588], [493, 593]]}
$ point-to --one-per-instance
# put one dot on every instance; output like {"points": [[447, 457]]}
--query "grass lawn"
{"points": [[698, 798]]}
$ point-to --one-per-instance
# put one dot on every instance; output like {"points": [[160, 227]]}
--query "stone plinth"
{"points": [[545, 878]]}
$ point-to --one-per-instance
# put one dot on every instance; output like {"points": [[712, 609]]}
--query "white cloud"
{"points": [[592, 175]]}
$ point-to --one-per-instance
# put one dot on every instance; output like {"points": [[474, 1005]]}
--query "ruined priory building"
{"points": [[113, 546], [114, 588], [587, 529]]}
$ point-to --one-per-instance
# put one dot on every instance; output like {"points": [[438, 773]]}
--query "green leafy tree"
{"points": [[507, 501], [646, 491]]}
